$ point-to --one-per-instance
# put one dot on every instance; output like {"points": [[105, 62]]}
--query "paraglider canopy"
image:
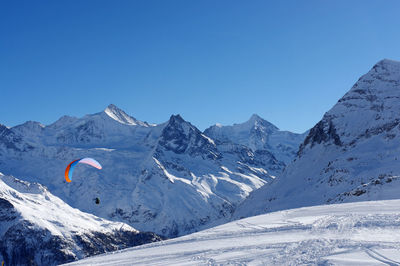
{"points": [[70, 168]]}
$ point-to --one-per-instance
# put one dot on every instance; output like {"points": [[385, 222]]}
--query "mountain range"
{"points": [[169, 178]]}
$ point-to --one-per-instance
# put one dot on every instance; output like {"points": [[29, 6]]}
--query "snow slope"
{"points": [[170, 178], [352, 154], [363, 233], [37, 228]]}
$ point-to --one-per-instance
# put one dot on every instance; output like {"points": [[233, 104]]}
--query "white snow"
{"points": [[209, 139], [118, 115], [363, 233]]}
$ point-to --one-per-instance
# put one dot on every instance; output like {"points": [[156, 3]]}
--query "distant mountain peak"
{"points": [[181, 136], [255, 117], [388, 62], [177, 124], [256, 121], [120, 116], [176, 119], [385, 68]]}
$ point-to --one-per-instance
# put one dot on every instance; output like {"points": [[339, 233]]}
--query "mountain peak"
{"points": [[31, 125], [120, 116], [181, 136], [386, 67], [113, 107], [176, 119], [254, 117], [113, 110], [256, 121], [386, 61], [176, 122]]}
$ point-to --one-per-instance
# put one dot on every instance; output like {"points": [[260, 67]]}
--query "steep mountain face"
{"points": [[259, 134], [120, 116], [350, 155], [192, 181], [37, 228], [11, 142], [170, 178]]}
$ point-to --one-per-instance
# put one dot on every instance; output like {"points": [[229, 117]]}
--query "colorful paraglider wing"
{"points": [[70, 168], [91, 162]]}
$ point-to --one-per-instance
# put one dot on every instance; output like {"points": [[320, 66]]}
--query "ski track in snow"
{"points": [[364, 233]]}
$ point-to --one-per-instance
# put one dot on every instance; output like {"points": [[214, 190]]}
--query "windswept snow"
{"points": [[363, 233]]}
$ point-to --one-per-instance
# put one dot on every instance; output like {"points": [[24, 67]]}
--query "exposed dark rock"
{"points": [[323, 132], [180, 137], [26, 244]]}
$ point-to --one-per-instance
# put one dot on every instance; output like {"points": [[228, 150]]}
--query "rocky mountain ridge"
{"points": [[350, 155]]}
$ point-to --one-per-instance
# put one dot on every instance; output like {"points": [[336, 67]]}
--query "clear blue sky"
{"points": [[210, 61]]}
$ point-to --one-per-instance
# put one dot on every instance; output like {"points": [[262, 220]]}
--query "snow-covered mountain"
{"points": [[38, 228], [112, 128], [259, 134], [363, 233], [170, 178], [352, 154]]}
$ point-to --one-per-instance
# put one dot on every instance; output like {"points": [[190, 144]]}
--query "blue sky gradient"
{"points": [[210, 61]]}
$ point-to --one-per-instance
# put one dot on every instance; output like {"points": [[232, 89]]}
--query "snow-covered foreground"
{"points": [[363, 233]]}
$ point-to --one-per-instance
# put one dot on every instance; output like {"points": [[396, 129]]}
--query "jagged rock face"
{"points": [[37, 228], [24, 244], [323, 132], [179, 136], [350, 155], [369, 108]]}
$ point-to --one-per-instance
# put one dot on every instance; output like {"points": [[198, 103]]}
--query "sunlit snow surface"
{"points": [[363, 233], [34, 203]]}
